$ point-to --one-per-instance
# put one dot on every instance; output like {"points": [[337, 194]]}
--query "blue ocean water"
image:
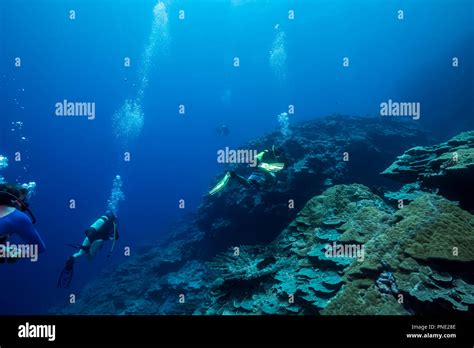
{"points": [[174, 157]]}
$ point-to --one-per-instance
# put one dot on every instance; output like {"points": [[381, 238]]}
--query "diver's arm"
{"points": [[28, 233]]}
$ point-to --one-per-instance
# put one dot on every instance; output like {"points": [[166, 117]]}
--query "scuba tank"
{"points": [[102, 228]]}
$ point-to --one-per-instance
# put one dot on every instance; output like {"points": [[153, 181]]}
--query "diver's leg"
{"points": [[84, 250], [257, 179], [240, 179], [254, 183], [95, 247], [270, 178]]}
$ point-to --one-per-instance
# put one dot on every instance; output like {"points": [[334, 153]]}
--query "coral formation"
{"points": [[348, 250], [407, 267], [448, 166]]}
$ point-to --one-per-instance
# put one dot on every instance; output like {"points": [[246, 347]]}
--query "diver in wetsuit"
{"points": [[268, 161], [14, 221], [102, 230]]}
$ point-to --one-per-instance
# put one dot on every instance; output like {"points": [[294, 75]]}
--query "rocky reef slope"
{"points": [[407, 264], [448, 167], [320, 153], [343, 249]]}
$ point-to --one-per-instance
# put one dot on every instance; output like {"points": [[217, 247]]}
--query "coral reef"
{"points": [[347, 250], [319, 153], [428, 251], [448, 166], [406, 268]]}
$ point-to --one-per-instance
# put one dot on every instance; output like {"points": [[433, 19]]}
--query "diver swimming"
{"points": [[269, 162], [223, 130], [102, 230], [14, 221]]}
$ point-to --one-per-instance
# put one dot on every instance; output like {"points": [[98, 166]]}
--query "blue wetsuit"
{"points": [[18, 223]]}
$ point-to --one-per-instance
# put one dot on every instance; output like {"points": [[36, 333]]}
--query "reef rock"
{"points": [[405, 265], [448, 166], [328, 151], [417, 259], [292, 274], [428, 249]]}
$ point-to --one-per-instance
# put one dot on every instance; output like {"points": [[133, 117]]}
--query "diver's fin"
{"points": [[65, 279], [66, 275], [221, 184], [271, 167]]}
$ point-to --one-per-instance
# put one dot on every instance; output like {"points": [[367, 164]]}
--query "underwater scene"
{"points": [[236, 157]]}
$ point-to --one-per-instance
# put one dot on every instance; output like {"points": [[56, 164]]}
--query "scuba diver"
{"points": [[268, 161], [223, 130], [14, 221], [102, 230]]}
